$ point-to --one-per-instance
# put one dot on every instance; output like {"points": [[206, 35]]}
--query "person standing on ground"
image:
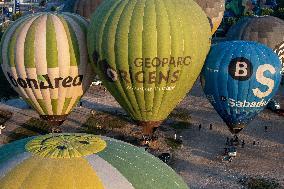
{"points": [[211, 126], [199, 127], [243, 143], [1, 128], [265, 128], [227, 141]]}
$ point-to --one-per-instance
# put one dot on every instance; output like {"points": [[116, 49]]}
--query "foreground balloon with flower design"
{"points": [[82, 161]]}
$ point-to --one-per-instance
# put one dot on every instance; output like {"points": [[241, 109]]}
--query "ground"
{"points": [[199, 159]]}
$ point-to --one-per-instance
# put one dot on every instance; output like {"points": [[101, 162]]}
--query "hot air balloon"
{"points": [[84, 8], [239, 79], [44, 58], [82, 161], [267, 30], [214, 10], [148, 53]]}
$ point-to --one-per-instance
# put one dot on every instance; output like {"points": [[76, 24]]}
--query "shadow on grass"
{"points": [[260, 183], [111, 125], [5, 116], [32, 127]]}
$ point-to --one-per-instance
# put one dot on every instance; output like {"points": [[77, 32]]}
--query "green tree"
{"points": [[266, 11], [279, 13], [6, 91], [42, 3], [16, 16], [53, 9], [280, 3]]}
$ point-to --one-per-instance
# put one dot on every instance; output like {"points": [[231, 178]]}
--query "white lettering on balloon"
{"points": [[241, 69], [264, 80]]}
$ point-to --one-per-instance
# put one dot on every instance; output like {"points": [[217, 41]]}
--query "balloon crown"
{"points": [[65, 145]]}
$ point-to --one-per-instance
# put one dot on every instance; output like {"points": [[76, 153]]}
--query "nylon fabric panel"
{"points": [[66, 105], [8, 58], [135, 50], [109, 54], [163, 50], [83, 64], [41, 63], [142, 170], [82, 22], [51, 44], [7, 35], [149, 49], [52, 174], [6, 166], [52, 66], [189, 33], [76, 43], [96, 44], [122, 43], [177, 49], [20, 65], [106, 171], [63, 59]]}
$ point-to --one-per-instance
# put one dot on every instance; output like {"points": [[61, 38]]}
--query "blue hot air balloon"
{"points": [[239, 79]]}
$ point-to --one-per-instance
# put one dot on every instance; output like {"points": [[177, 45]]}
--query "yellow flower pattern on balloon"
{"points": [[66, 145]]}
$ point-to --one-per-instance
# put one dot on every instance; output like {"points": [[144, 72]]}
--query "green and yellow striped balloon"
{"points": [[149, 53], [82, 161], [44, 57]]}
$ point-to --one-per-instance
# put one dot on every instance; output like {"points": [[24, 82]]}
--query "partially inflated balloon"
{"points": [[84, 8], [268, 30], [214, 10], [44, 57], [149, 53], [239, 79], [82, 161]]}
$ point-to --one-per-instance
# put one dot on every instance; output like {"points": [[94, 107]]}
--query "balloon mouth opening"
{"points": [[235, 129], [54, 120], [149, 127]]}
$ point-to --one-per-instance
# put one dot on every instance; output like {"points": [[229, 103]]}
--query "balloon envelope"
{"points": [[44, 57], [267, 30], [239, 79], [84, 8], [82, 161], [214, 10], [149, 53]]}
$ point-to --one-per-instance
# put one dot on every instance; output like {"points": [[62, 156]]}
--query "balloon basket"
{"points": [[55, 121], [236, 129], [149, 127]]}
